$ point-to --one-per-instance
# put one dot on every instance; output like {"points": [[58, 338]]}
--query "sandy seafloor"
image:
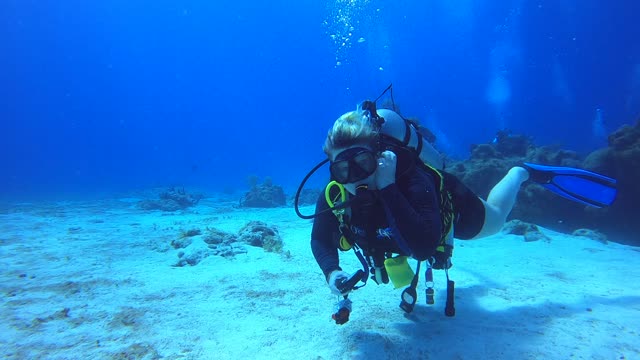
{"points": [[95, 280]]}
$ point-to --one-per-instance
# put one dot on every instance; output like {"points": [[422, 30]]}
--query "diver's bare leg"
{"points": [[501, 200]]}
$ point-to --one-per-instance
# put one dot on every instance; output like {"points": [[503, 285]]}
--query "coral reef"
{"points": [[530, 236], [265, 195], [171, 200], [257, 233], [621, 160], [193, 254], [591, 234], [514, 144], [181, 242], [190, 233], [215, 242], [223, 244], [530, 232], [517, 227]]}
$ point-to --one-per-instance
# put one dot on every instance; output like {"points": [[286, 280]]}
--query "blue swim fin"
{"points": [[575, 184]]}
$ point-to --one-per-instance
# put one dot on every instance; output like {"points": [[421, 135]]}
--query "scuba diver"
{"points": [[390, 200]]}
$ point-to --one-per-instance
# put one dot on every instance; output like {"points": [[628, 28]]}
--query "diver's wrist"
{"points": [[328, 277]]}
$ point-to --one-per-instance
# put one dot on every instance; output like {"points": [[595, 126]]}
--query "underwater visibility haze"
{"points": [[110, 96], [150, 152]]}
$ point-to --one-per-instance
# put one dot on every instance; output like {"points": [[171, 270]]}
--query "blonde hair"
{"points": [[352, 128]]}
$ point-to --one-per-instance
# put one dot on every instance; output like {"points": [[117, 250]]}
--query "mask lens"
{"points": [[366, 161], [353, 165], [340, 171]]}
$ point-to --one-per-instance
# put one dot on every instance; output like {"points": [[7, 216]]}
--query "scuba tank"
{"points": [[408, 133]]}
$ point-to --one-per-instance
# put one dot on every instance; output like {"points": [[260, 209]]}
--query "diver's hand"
{"points": [[386, 172], [336, 277]]}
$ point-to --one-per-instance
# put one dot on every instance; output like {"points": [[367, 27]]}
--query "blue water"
{"points": [[101, 96]]}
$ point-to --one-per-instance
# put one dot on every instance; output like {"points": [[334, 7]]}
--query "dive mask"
{"points": [[353, 165]]}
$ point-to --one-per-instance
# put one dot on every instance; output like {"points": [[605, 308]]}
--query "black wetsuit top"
{"points": [[410, 208]]}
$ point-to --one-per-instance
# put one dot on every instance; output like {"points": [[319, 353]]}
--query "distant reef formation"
{"points": [[620, 159], [265, 195], [172, 199]]}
